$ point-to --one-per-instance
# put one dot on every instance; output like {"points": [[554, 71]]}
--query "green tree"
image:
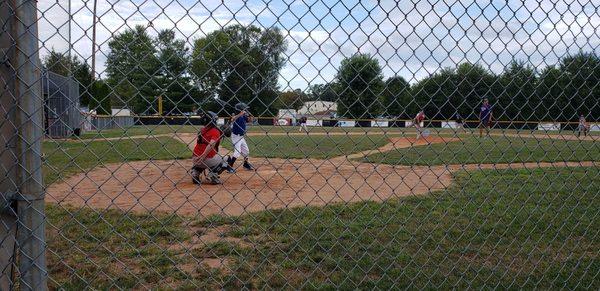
{"points": [[61, 64], [452, 91], [323, 92], [172, 78], [473, 83], [360, 82], [581, 74], [396, 96], [437, 95], [518, 99], [101, 101], [131, 67], [550, 92], [241, 63], [292, 99]]}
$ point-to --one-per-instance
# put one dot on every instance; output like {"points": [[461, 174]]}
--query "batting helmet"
{"points": [[208, 117], [241, 106]]}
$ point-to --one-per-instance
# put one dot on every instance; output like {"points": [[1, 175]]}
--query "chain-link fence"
{"points": [[300, 144]]}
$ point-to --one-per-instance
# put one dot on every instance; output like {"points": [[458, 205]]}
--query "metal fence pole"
{"points": [[8, 158], [24, 132]]}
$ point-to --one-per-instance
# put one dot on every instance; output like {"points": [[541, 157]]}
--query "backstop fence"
{"points": [[415, 144]]}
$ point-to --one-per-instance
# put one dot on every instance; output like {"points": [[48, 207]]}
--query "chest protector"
{"points": [[202, 140]]}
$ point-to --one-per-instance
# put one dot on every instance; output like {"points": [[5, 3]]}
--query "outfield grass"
{"points": [[508, 229], [307, 146], [63, 158], [494, 149], [139, 130]]}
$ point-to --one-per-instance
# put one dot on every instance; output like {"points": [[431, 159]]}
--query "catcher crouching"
{"points": [[206, 155]]}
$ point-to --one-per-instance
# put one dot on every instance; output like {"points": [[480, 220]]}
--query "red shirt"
{"points": [[206, 136], [420, 117]]}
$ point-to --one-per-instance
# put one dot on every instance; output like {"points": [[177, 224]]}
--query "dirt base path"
{"points": [[147, 186]]}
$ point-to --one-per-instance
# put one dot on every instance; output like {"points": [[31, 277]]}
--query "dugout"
{"points": [[62, 117]]}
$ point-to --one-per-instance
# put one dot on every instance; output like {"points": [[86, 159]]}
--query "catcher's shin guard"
{"points": [[213, 177], [196, 171]]}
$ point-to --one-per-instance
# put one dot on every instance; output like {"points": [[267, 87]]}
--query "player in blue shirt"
{"points": [[485, 117], [238, 136]]}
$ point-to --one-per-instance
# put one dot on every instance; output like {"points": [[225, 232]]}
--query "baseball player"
{"points": [[303, 124], [485, 116], [238, 132], [460, 121], [206, 151], [583, 126], [417, 122]]}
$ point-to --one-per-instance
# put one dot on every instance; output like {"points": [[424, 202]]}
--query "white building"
{"points": [[311, 108], [121, 112], [287, 113]]}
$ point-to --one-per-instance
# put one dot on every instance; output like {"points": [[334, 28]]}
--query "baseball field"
{"points": [[334, 208]]}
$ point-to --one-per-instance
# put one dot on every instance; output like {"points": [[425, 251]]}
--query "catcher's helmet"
{"points": [[241, 106], [208, 117]]}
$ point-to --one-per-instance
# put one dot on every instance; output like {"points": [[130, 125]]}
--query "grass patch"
{"points": [[108, 247], [62, 159], [493, 149], [167, 129], [139, 130], [307, 146], [218, 249], [215, 220], [509, 229]]}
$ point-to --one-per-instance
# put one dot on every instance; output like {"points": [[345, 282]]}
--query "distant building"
{"points": [[62, 117], [120, 112], [325, 109], [326, 114]]}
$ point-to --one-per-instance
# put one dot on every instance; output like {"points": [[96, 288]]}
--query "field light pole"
{"points": [[22, 217]]}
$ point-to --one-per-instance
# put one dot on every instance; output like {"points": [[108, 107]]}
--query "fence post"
{"points": [[8, 158], [22, 132]]}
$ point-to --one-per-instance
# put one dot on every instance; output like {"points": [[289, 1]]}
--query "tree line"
{"points": [[519, 93], [242, 64]]}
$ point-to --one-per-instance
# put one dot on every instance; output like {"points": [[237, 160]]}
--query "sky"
{"points": [[412, 39]]}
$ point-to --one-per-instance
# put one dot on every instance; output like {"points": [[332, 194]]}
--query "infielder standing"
{"points": [[238, 133], [303, 124], [485, 117], [583, 126]]}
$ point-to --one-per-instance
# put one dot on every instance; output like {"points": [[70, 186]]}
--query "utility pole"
{"points": [[94, 41], [22, 217]]}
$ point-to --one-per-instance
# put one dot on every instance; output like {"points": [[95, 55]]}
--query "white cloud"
{"points": [[412, 40]]}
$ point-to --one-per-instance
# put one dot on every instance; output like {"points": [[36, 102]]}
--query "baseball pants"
{"points": [[240, 147]]}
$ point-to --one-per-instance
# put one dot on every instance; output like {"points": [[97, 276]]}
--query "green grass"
{"points": [[167, 129], [139, 130], [509, 229], [107, 248], [307, 146], [494, 149], [63, 158]]}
